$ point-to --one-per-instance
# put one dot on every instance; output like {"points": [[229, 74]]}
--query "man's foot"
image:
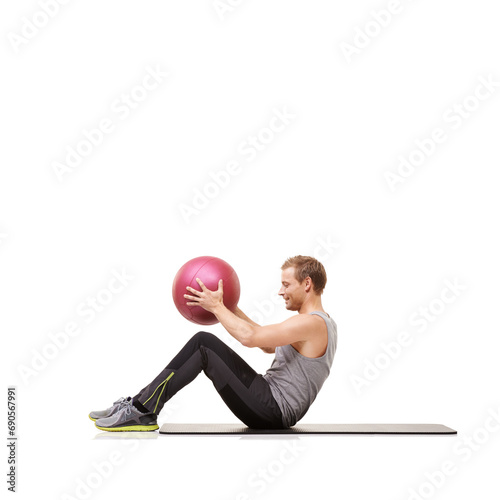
{"points": [[128, 418], [95, 415]]}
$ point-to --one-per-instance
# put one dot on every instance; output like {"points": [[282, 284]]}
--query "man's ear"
{"points": [[308, 284]]}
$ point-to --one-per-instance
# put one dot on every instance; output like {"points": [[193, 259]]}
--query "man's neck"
{"points": [[311, 306]]}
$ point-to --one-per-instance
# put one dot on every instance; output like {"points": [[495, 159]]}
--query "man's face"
{"points": [[291, 290]]}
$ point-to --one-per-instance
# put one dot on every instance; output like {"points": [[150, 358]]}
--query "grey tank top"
{"points": [[295, 380]]}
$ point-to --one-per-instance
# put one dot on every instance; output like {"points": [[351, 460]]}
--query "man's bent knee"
{"points": [[204, 337]]}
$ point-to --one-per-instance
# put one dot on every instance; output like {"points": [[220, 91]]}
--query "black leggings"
{"points": [[245, 392]]}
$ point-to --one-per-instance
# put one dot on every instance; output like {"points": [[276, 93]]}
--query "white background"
{"points": [[318, 188]]}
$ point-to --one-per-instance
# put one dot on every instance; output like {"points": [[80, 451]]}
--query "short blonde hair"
{"points": [[307, 267]]}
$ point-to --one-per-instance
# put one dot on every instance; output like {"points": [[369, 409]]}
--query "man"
{"points": [[304, 347]]}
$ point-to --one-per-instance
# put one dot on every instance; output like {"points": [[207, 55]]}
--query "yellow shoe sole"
{"points": [[152, 427], [93, 419]]}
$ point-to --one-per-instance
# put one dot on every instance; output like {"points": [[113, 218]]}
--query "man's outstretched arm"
{"points": [[240, 314], [294, 329]]}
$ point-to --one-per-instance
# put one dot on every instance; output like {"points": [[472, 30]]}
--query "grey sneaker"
{"points": [[128, 418], [95, 415]]}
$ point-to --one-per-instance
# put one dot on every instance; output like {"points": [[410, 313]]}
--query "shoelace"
{"points": [[128, 407], [125, 406], [120, 402]]}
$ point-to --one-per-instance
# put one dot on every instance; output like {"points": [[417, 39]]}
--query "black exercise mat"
{"points": [[309, 429]]}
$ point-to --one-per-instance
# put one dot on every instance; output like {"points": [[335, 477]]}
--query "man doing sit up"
{"points": [[304, 346]]}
